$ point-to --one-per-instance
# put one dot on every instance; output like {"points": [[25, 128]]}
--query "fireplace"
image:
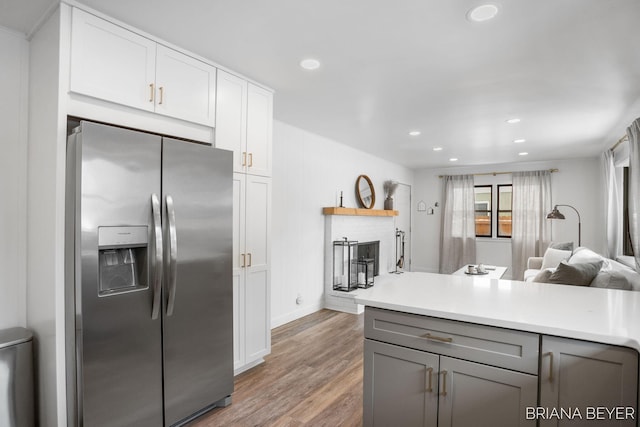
{"points": [[376, 235], [370, 250]]}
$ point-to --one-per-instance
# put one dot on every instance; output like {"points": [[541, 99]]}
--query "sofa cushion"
{"points": [[629, 274], [579, 274], [611, 280], [553, 257], [530, 274], [543, 275], [563, 246]]}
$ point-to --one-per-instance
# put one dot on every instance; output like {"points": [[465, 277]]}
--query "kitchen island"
{"points": [[449, 350]]}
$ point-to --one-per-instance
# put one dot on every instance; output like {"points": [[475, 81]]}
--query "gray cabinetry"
{"points": [[400, 386], [423, 371], [473, 394], [586, 376]]}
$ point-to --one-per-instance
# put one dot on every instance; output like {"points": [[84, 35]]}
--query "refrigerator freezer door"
{"points": [[198, 328], [119, 345]]}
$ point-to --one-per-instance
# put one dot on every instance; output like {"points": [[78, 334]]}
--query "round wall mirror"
{"points": [[365, 192]]}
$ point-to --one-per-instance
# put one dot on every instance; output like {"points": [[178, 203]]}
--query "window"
{"points": [[484, 210], [504, 211]]}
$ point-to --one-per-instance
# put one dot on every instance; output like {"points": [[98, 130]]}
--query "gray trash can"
{"points": [[16, 378]]}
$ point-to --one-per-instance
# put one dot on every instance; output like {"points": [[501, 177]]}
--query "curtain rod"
{"points": [[499, 173], [620, 141]]}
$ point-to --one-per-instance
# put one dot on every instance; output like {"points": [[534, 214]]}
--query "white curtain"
{"points": [[633, 133], [458, 231], [531, 231], [612, 214]]}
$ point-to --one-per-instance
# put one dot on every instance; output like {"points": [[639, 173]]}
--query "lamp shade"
{"points": [[555, 214]]}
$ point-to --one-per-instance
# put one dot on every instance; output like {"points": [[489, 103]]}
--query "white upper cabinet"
{"points": [[111, 63], [244, 123], [231, 111], [259, 130], [117, 65], [186, 87]]}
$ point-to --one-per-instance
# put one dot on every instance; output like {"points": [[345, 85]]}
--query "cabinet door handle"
{"points": [[550, 354], [161, 89], [151, 92], [250, 160], [244, 259], [444, 383], [429, 374], [437, 338], [244, 158], [249, 254]]}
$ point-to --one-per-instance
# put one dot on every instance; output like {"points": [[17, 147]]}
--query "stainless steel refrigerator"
{"points": [[149, 289]]}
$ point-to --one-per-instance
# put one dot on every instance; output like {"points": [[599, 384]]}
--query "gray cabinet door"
{"points": [[478, 395], [400, 386], [584, 375]]}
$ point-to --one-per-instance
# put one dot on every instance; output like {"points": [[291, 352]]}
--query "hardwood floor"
{"points": [[313, 377]]}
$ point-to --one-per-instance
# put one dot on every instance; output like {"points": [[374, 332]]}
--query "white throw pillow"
{"points": [[553, 257], [582, 255]]}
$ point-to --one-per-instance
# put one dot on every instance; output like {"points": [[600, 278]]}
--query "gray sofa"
{"points": [[582, 267]]}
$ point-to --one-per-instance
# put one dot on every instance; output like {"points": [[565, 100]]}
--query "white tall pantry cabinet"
{"points": [[244, 126]]}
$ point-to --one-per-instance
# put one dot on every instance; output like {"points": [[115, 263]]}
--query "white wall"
{"points": [[308, 172], [45, 242], [14, 75], [578, 183]]}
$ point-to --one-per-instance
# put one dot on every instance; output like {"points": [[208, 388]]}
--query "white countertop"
{"points": [[601, 315]]}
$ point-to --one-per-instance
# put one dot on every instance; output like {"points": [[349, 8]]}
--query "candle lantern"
{"points": [[365, 267], [345, 271]]}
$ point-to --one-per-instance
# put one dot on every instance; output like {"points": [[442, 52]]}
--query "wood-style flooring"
{"points": [[313, 377]]}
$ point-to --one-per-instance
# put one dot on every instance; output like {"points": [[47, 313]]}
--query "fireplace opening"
{"points": [[370, 250]]}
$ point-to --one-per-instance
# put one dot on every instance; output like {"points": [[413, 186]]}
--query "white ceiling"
{"points": [[570, 69]]}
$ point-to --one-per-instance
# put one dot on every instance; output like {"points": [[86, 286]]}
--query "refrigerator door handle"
{"points": [[158, 264], [173, 254]]}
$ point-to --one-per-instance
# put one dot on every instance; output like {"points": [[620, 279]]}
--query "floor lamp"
{"points": [[556, 214]]}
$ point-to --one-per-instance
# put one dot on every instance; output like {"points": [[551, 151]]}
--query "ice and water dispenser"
{"points": [[122, 260]]}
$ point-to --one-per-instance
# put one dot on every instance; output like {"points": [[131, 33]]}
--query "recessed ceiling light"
{"points": [[482, 13], [524, 153], [310, 64], [514, 120], [519, 141], [414, 133], [437, 148], [453, 159]]}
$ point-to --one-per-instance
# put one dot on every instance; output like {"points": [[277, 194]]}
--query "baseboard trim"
{"points": [[296, 314]]}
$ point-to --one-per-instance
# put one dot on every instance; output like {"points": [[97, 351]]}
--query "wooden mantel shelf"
{"points": [[358, 212]]}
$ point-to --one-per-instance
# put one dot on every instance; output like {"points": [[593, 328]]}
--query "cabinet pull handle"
{"points": [[429, 382], [161, 89], [151, 92], [244, 259], [444, 383], [250, 160], [244, 158], [437, 338], [249, 254], [550, 354]]}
